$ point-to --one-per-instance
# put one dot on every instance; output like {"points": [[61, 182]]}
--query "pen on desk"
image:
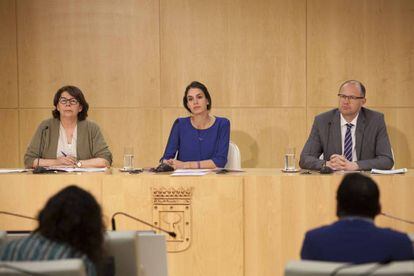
{"points": [[64, 154]]}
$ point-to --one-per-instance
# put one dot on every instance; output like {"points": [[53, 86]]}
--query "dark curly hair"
{"points": [[358, 195], [202, 87], [77, 94], [74, 217]]}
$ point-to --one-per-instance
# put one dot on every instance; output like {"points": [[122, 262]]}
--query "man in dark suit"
{"points": [[350, 137], [354, 237]]}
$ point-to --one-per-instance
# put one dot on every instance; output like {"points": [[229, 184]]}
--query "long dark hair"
{"points": [[77, 94], [73, 216]]}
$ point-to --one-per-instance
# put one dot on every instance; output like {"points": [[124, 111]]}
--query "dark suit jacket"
{"points": [[356, 241], [372, 144]]}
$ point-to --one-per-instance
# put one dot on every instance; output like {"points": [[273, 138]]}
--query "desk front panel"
{"points": [[241, 224]]}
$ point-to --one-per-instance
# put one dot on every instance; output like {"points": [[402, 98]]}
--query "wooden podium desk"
{"points": [[247, 223]]}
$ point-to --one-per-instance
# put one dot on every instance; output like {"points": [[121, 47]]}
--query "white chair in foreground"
{"points": [[315, 268], [137, 253], [68, 267], [233, 157]]}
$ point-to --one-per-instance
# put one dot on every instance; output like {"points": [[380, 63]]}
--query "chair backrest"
{"points": [[233, 157], [316, 268], [411, 236], [137, 253], [3, 235], [7, 237], [67, 267]]}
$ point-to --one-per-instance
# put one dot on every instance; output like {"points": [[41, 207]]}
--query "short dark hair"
{"points": [[73, 216], [202, 87], [358, 195], [358, 83], [77, 94]]}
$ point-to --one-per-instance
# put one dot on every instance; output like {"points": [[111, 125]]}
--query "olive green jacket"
{"points": [[90, 142]]}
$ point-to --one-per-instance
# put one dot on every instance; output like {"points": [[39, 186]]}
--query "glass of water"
{"points": [[128, 158], [290, 160]]}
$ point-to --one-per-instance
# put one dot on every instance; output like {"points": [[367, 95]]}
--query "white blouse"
{"points": [[65, 146]]}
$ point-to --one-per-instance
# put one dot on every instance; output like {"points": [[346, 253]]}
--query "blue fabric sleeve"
{"points": [[220, 156], [173, 142]]}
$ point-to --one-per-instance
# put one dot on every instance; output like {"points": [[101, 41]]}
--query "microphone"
{"points": [[397, 218], [170, 233], [19, 216], [325, 169], [39, 169]]}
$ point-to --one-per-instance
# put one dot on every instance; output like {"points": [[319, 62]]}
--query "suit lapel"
{"points": [[336, 133], [54, 137], [359, 133]]}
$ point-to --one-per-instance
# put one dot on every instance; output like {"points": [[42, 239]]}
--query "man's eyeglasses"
{"points": [[345, 97], [72, 101]]}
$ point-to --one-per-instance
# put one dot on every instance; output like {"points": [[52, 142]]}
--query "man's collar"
{"points": [[351, 218], [344, 122]]}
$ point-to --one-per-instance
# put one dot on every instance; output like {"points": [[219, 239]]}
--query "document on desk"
{"points": [[191, 172], [399, 171], [13, 170], [71, 169]]}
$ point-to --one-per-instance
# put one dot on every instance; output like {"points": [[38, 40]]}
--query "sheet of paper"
{"points": [[195, 172], [71, 169], [13, 170], [399, 171]]}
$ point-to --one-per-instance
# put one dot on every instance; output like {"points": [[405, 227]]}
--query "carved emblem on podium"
{"points": [[172, 212]]}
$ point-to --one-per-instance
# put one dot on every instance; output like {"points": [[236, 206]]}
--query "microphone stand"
{"points": [[170, 233], [39, 169]]}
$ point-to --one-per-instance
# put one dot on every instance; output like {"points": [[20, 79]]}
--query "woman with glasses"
{"points": [[68, 139]]}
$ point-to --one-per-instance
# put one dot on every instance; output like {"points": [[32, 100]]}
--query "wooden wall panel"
{"points": [[133, 56], [249, 53], [9, 137], [139, 128], [368, 40], [261, 134], [110, 49], [8, 51], [401, 134]]}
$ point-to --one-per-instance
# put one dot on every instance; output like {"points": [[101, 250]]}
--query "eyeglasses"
{"points": [[72, 101], [345, 97]]}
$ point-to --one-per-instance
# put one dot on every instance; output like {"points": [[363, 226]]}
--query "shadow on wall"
{"points": [[273, 142], [399, 144], [248, 148]]}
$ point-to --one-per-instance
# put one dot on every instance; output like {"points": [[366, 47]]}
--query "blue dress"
{"points": [[199, 144]]}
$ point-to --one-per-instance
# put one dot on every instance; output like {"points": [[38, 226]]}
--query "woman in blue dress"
{"points": [[200, 140]]}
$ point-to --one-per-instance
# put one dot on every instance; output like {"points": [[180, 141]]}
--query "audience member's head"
{"points": [[74, 217], [358, 195]]}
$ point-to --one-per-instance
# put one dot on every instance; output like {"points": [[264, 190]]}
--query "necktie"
{"points": [[348, 142]]}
